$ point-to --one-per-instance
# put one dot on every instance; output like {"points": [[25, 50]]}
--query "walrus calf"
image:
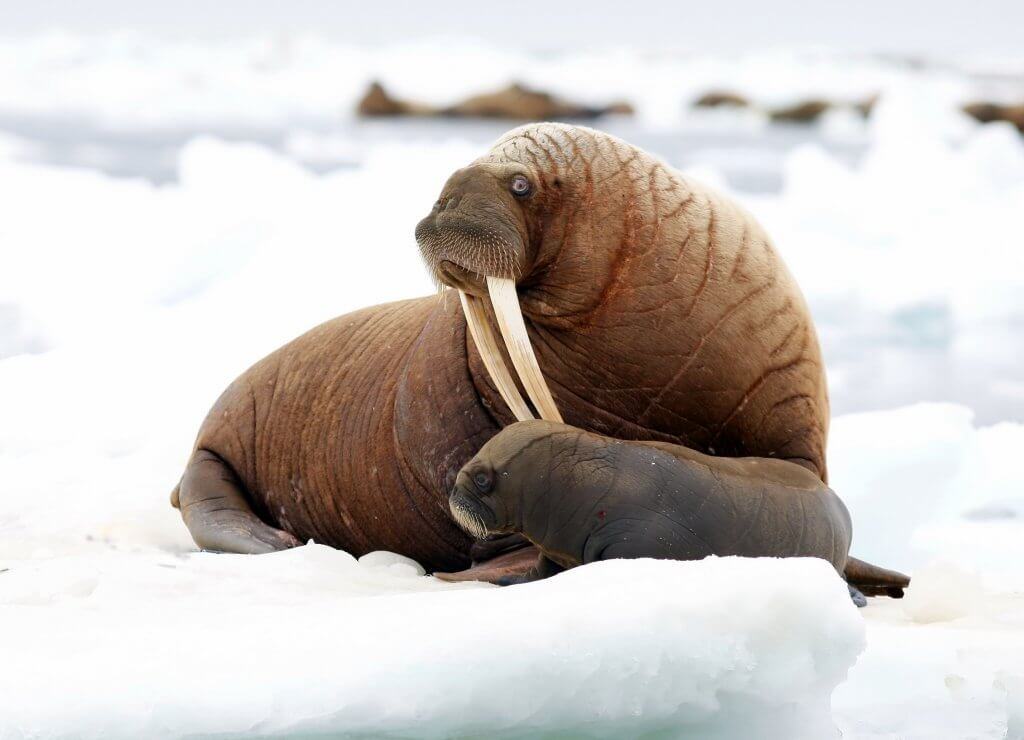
{"points": [[580, 497]]}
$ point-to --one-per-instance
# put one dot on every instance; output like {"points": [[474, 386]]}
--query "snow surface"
{"points": [[312, 641], [127, 306]]}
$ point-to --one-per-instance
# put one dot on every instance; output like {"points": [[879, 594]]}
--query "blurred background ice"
{"points": [[871, 214], [183, 187]]}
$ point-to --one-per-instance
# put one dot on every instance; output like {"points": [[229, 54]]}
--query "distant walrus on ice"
{"points": [[633, 303]]}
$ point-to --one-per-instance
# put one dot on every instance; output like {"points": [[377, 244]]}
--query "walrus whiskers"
{"points": [[469, 521]]}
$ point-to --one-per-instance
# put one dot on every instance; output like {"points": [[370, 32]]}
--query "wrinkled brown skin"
{"points": [[658, 310], [581, 497], [351, 434]]}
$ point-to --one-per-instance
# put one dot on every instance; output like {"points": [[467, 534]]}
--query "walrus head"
{"points": [[488, 494], [478, 227], [534, 476]]}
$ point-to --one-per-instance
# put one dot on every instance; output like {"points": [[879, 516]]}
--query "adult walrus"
{"points": [[581, 497], [649, 308]]}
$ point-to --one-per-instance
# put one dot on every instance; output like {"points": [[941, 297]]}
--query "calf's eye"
{"points": [[482, 480]]}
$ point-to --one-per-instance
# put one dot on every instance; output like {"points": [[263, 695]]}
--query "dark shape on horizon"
{"points": [[721, 99], [377, 101], [984, 112], [806, 111], [515, 102]]}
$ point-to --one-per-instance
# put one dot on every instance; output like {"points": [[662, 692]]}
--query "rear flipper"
{"points": [[871, 580], [216, 511]]}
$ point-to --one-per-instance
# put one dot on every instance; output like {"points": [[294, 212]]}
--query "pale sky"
{"points": [[935, 28]]}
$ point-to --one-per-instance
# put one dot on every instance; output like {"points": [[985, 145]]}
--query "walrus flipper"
{"points": [[216, 511], [543, 568], [871, 580], [510, 564]]}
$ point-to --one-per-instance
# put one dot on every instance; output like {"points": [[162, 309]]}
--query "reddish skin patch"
{"points": [[600, 514]]}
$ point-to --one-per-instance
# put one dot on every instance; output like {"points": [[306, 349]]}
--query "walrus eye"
{"points": [[520, 186], [482, 480]]}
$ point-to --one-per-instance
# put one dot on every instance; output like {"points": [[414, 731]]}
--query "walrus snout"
{"points": [[482, 247], [477, 226], [470, 512]]}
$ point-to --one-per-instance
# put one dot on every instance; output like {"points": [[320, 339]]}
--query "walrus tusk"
{"points": [[485, 343], [510, 320]]}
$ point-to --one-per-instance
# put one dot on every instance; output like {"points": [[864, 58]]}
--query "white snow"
{"points": [[310, 641], [924, 484], [958, 678], [126, 307]]}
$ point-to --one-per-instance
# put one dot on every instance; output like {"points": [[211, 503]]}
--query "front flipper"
{"points": [[542, 568], [509, 564], [872, 580], [217, 513]]}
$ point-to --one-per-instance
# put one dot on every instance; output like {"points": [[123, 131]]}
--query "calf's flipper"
{"points": [[545, 567], [873, 580]]}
